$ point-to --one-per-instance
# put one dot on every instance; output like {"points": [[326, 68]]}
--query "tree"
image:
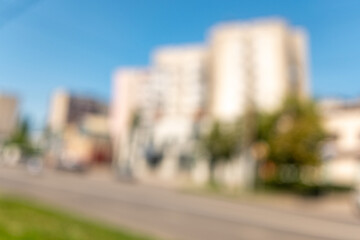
{"points": [[292, 137], [221, 143], [21, 139]]}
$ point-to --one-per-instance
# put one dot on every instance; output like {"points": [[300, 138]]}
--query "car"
{"points": [[34, 165], [72, 165]]}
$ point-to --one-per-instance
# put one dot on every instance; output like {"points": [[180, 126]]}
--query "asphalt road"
{"points": [[174, 215]]}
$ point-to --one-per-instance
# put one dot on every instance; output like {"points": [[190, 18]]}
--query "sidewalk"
{"points": [[337, 206]]}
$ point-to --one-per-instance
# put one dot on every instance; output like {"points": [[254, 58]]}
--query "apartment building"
{"points": [[243, 65], [180, 71], [167, 99], [180, 82], [255, 64]]}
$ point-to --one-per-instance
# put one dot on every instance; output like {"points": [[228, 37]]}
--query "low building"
{"points": [[66, 108], [8, 115], [79, 130], [342, 149], [86, 143]]}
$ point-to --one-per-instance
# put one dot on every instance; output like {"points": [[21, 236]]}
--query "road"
{"points": [[169, 214]]}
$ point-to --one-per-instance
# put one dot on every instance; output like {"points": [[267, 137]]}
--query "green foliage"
{"points": [[293, 136], [21, 139], [286, 143], [135, 120], [222, 141], [20, 219]]}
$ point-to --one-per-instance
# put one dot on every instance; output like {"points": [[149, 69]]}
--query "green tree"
{"points": [[21, 139], [292, 137], [221, 143]]}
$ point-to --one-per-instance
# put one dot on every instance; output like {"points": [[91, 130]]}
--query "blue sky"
{"points": [[77, 44]]}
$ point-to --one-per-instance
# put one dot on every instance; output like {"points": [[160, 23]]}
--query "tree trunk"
{"points": [[212, 171]]}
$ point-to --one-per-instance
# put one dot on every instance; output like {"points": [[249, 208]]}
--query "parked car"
{"points": [[34, 165], [72, 165]]}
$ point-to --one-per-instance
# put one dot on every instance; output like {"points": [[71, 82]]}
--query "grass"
{"points": [[26, 220]]}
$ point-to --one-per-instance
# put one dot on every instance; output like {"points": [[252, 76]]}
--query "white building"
{"points": [[182, 70], [128, 97], [168, 99], [179, 77], [342, 150], [257, 63]]}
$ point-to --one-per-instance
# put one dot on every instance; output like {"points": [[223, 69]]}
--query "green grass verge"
{"points": [[26, 220]]}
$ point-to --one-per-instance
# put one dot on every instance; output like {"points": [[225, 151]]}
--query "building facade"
{"points": [[129, 96], [341, 120], [159, 111], [255, 64], [167, 99], [179, 80], [8, 115], [66, 108], [79, 130]]}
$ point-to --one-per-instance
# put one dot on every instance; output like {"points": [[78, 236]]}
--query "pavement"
{"points": [[169, 214]]}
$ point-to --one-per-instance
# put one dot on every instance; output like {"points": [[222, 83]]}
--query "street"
{"points": [[170, 214]]}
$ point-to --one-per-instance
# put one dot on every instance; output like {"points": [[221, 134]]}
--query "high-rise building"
{"points": [[165, 100], [244, 65], [8, 115], [178, 75], [171, 92], [255, 64], [180, 72]]}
